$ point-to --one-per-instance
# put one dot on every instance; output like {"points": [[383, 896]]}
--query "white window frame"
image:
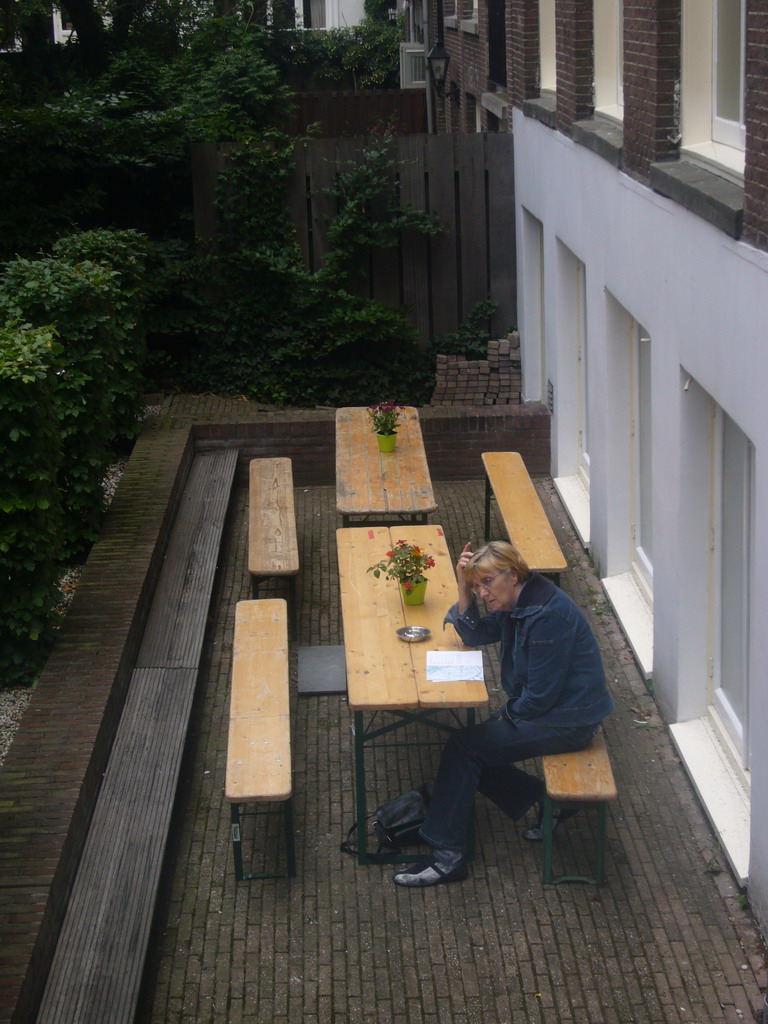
{"points": [[641, 483], [547, 46], [705, 136], [731, 504], [608, 20]]}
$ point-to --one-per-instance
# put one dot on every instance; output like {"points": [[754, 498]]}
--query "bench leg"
{"points": [[290, 850], [548, 823], [293, 610], [237, 845], [237, 841]]}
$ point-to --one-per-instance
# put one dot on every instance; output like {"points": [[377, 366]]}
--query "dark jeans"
{"points": [[479, 757]]}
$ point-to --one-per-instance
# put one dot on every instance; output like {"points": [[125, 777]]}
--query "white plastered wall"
{"points": [[703, 299]]}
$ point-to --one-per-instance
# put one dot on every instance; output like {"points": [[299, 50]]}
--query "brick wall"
{"points": [[756, 104], [522, 50], [574, 45], [454, 438], [652, 68], [651, 71], [496, 380]]}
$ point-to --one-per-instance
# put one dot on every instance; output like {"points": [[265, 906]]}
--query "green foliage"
{"points": [[369, 215], [368, 53], [125, 253], [379, 10], [30, 512], [87, 160], [473, 335], [236, 94], [84, 302], [280, 334]]}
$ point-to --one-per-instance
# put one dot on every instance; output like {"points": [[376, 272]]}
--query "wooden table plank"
{"points": [[374, 483], [383, 671], [522, 512], [379, 671]]}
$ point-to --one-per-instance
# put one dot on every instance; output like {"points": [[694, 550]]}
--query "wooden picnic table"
{"points": [[385, 674], [381, 487], [525, 520]]}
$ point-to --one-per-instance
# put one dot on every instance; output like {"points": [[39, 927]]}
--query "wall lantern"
{"points": [[438, 59]]}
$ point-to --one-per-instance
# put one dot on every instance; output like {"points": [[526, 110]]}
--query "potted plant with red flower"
{"points": [[406, 563]]}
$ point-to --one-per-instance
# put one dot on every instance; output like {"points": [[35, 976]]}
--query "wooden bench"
{"points": [[259, 746], [100, 957], [272, 546], [521, 510], [583, 778]]}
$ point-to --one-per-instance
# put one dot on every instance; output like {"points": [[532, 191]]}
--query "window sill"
{"points": [[495, 103], [635, 617], [722, 787], [714, 156], [602, 135], [470, 26], [575, 496], [708, 195], [543, 109], [451, 21]]}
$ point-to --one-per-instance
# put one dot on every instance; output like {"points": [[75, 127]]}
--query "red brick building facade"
{"points": [[480, 92]]}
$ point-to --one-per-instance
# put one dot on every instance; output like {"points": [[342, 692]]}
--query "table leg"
{"points": [[487, 509], [361, 802]]}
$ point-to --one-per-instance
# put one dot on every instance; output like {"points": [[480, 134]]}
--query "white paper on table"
{"points": [[449, 666]]}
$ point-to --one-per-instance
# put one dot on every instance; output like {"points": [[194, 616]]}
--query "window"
{"points": [[728, 73], [497, 42], [533, 308], [413, 66], [712, 85], [571, 422], [731, 526], [609, 57], [641, 480], [547, 45]]}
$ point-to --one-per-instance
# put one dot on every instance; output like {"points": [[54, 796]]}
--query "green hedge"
{"points": [[30, 509], [97, 314], [126, 253], [78, 299]]}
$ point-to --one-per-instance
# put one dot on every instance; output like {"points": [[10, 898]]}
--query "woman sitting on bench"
{"points": [[557, 696]]}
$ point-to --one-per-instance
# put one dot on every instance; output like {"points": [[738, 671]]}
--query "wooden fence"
{"points": [[467, 180], [341, 113]]}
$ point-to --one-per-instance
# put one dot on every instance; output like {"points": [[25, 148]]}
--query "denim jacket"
{"points": [[551, 668]]}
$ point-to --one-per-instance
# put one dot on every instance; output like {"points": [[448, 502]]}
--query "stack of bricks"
{"points": [[496, 380]]}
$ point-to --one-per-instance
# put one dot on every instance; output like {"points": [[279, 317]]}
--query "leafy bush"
{"points": [[30, 512], [88, 160], [472, 337], [80, 299], [280, 334]]}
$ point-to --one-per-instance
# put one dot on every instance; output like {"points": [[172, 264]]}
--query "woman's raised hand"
{"points": [[465, 587]]}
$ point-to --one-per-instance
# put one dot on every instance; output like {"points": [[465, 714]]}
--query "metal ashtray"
{"points": [[412, 634]]}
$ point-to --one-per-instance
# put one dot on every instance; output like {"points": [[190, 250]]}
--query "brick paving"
{"points": [[664, 940]]}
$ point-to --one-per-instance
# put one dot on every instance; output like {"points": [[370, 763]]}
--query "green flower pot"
{"points": [[416, 594], [387, 442]]}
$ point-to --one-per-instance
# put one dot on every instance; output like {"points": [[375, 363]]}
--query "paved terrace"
{"points": [[666, 939]]}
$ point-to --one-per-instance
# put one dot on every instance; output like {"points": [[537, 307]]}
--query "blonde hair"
{"points": [[498, 556]]}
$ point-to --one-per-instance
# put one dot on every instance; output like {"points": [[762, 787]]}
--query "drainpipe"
{"points": [[428, 83]]}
